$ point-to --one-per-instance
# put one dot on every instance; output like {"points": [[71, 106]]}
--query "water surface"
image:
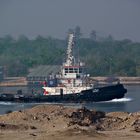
{"points": [[130, 103]]}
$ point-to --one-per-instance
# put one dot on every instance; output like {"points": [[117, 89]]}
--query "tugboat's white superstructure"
{"points": [[71, 79]]}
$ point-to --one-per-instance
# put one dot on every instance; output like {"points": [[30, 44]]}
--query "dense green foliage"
{"points": [[103, 57]]}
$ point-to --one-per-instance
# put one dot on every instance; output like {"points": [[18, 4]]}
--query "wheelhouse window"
{"points": [[66, 70], [73, 70], [80, 70]]}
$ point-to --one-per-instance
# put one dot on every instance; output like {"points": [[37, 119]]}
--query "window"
{"points": [[75, 70], [66, 70], [80, 70]]}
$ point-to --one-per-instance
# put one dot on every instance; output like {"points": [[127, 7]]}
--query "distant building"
{"points": [[1, 73], [40, 73]]}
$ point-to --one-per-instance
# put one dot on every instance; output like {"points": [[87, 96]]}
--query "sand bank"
{"points": [[52, 122]]}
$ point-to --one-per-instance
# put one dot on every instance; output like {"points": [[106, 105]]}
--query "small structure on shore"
{"points": [[40, 73]]}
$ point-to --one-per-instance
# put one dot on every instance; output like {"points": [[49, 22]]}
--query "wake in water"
{"points": [[120, 100], [7, 103]]}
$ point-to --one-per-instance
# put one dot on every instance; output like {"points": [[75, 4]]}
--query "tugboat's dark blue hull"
{"points": [[93, 95]]}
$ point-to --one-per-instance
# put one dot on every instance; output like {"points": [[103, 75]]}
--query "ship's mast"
{"points": [[70, 57]]}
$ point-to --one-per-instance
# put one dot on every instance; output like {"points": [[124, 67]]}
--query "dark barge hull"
{"points": [[93, 95]]}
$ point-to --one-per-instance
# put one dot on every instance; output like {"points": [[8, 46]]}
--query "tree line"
{"points": [[103, 56]]}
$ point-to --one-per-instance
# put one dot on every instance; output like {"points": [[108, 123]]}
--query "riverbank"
{"points": [[13, 81], [21, 81], [123, 80], [58, 123]]}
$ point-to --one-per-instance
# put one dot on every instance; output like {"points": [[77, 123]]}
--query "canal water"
{"points": [[130, 103]]}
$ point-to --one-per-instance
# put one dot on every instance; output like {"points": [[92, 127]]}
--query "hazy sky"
{"points": [[121, 18]]}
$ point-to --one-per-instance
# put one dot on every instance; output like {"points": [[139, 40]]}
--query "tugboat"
{"points": [[72, 83]]}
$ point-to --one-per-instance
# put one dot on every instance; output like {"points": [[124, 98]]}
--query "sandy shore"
{"points": [[51, 122]]}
